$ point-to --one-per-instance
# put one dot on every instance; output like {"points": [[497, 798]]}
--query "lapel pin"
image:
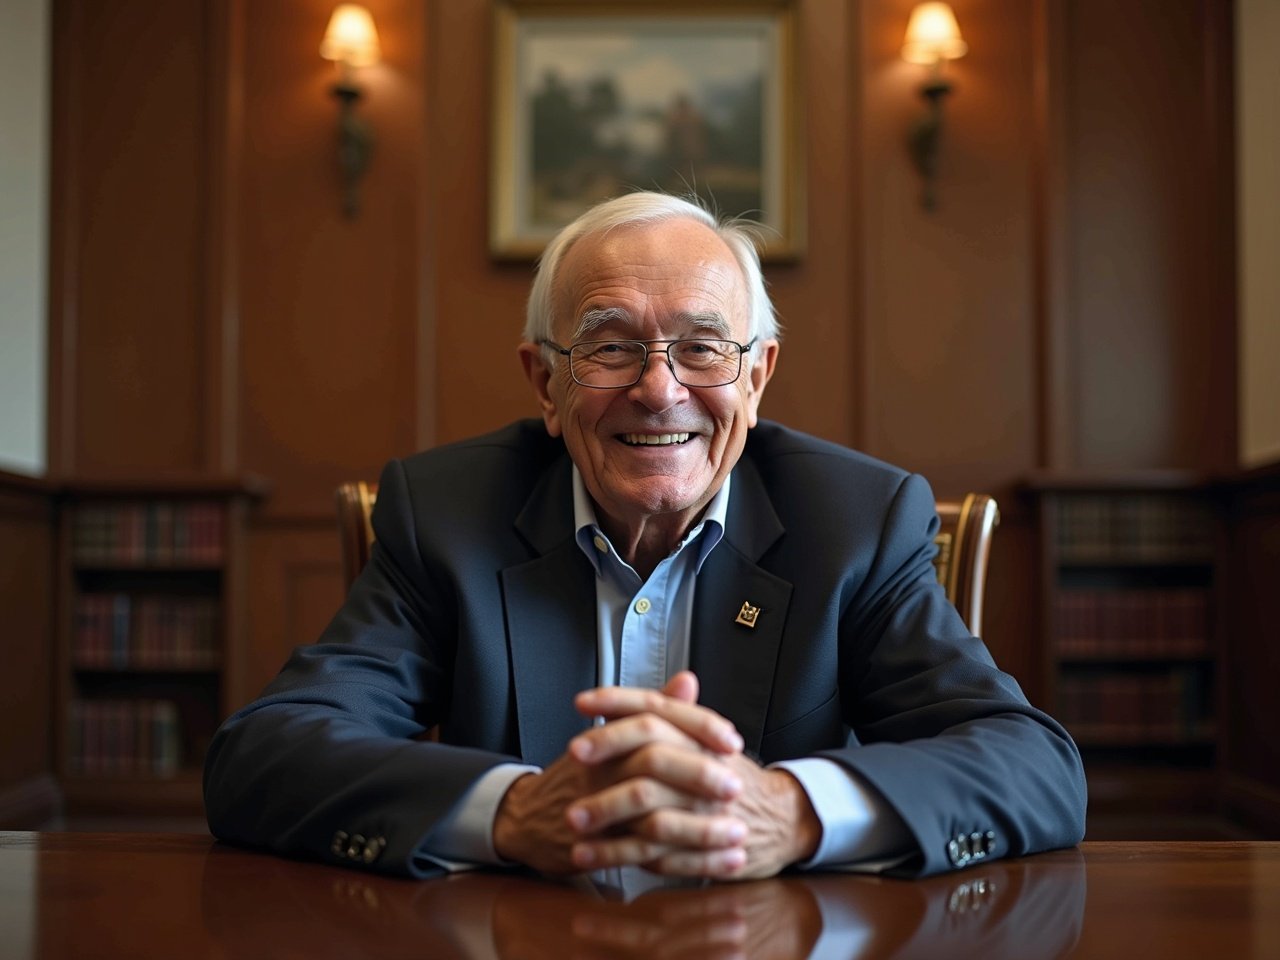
{"points": [[748, 615]]}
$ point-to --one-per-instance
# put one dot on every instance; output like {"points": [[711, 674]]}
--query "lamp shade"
{"points": [[351, 38], [933, 35]]}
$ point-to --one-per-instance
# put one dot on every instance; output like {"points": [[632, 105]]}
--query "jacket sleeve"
{"points": [[324, 764], [946, 738]]}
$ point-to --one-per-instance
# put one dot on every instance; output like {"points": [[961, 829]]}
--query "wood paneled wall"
{"points": [[1069, 304], [28, 795]]}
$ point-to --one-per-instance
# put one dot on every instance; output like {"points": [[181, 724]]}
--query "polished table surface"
{"points": [[171, 895]]}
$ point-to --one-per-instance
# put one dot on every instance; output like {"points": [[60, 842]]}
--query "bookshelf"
{"points": [[1130, 568], [152, 606]]}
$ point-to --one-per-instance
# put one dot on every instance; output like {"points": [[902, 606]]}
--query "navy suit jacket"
{"points": [[477, 613]]}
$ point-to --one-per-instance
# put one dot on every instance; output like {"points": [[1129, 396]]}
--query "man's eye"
{"points": [[609, 353], [704, 351]]}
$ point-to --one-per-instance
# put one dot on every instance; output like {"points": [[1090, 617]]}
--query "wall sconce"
{"points": [[351, 41], [933, 37]]}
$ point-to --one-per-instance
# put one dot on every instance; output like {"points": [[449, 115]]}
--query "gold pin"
{"points": [[748, 614]]}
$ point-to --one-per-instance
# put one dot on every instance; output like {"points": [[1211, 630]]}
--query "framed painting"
{"points": [[593, 100]]}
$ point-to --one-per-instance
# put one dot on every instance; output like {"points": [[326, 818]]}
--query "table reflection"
{"points": [[1024, 909]]}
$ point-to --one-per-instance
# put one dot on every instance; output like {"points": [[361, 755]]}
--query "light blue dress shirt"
{"points": [[643, 640]]}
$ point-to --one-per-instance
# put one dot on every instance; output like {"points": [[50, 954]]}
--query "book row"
{"points": [[1133, 528], [120, 631], [124, 738], [157, 533], [1164, 708], [1132, 623]]}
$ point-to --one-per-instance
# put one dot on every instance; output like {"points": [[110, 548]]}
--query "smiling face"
{"points": [[654, 454]]}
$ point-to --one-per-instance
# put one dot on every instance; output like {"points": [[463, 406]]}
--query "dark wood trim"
{"points": [[235, 610], [431, 134], [1253, 803], [1050, 289], [167, 484], [1262, 473], [856, 290], [1045, 665], [1256, 490], [174, 796], [23, 483], [184, 484], [29, 797], [30, 804], [31, 506], [1254, 503], [1219, 146], [262, 520], [225, 131], [1261, 478], [63, 624], [66, 123], [1137, 790], [1119, 481]]}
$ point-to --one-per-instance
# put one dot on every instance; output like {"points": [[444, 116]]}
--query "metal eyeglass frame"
{"points": [[644, 363]]}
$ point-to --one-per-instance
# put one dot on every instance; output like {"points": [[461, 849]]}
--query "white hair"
{"points": [[636, 208]]}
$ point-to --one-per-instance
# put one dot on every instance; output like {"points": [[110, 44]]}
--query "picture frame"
{"points": [[595, 99]]}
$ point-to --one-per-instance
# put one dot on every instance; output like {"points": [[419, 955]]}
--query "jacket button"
{"points": [[356, 847], [957, 852], [977, 844], [339, 845], [373, 849]]}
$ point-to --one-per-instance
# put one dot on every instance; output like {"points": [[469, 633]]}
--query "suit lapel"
{"points": [[550, 606], [736, 663]]}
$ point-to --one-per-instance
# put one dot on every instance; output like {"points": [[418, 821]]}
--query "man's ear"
{"points": [[539, 376], [758, 377]]}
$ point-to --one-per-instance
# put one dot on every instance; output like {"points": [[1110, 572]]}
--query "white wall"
{"points": [[24, 179], [1258, 227]]}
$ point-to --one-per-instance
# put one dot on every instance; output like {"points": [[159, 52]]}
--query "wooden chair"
{"points": [[355, 500], [964, 542]]}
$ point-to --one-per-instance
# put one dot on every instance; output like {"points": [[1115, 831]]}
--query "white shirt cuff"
{"points": [[464, 838], [858, 825]]}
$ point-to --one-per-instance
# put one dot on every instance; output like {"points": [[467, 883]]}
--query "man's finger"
{"points": [[642, 797], [617, 852], [683, 686], [691, 830], [702, 724], [624, 736]]}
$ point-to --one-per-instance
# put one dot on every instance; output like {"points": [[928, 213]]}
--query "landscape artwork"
{"points": [[597, 106]]}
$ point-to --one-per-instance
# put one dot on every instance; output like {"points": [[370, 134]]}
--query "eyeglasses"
{"points": [[613, 364]]}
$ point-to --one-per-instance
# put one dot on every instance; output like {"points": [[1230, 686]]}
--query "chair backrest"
{"points": [[355, 500], [964, 543]]}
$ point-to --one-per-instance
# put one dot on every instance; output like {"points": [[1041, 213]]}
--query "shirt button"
{"points": [[643, 605], [600, 543]]}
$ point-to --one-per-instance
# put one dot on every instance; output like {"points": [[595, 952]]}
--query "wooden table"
{"points": [[185, 896]]}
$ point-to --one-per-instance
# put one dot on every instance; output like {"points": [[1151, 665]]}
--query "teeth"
{"points": [[655, 439]]}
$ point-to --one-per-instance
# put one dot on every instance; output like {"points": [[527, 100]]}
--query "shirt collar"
{"points": [[707, 533]]}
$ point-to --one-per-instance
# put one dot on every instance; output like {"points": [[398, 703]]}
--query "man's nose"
{"points": [[658, 387]]}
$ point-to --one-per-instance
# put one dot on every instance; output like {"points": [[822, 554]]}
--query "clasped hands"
{"points": [[662, 784]]}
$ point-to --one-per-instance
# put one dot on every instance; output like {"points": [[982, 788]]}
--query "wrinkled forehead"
{"points": [[664, 269]]}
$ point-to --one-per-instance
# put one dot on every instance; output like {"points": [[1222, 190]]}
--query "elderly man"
{"points": [[652, 632]]}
